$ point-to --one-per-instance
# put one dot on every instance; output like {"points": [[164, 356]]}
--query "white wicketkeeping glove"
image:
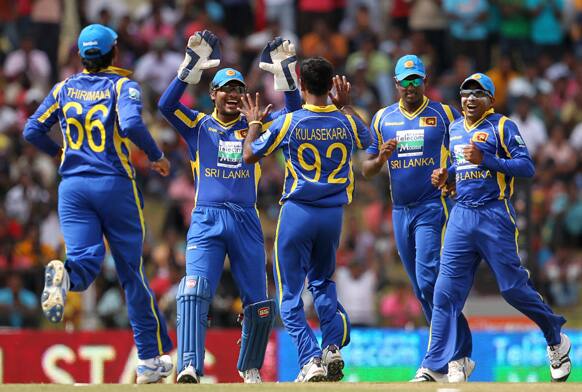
{"points": [[202, 52], [279, 58]]}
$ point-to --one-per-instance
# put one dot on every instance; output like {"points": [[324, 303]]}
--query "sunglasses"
{"points": [[476, 93], [411, 82], [229, 88]]}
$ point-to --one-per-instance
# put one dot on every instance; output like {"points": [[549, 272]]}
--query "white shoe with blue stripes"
{"points": [[154, 370], [54, 294]]}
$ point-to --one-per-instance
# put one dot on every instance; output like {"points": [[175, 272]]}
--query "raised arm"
{"points": [[280, 59], [202, 52]]}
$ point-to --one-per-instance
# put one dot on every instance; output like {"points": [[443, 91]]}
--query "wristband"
{"points": [[256, 122]]}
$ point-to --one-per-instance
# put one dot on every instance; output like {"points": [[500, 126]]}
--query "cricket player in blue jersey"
{"points": [[99, 112], [488, 153], [225, 220], [317, 143], [411, 137]]}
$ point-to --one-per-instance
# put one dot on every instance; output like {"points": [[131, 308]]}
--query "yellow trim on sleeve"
{"points": [[448, 112], [58, 88], [180, 115], [281, 134], [376, 129], [48, 112], [502, 182], [501, 128], [355, 130]]}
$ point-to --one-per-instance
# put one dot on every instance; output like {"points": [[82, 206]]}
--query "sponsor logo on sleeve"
{"points": [[264, 312], [134, 94], [519, 140]]}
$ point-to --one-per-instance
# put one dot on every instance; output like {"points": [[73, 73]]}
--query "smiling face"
{"points": [[411, 90], [227, 99], [475, 101]]}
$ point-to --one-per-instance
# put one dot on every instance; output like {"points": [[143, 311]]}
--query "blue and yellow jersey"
{"points": [[216, 148], [505, 156], [98, 114], [422, 141], [318, 143]]}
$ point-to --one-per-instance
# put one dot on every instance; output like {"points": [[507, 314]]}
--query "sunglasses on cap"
{"points": [[411, 82], [229, 88], [477, 93]]}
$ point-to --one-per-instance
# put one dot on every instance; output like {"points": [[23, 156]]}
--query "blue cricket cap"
{"points": [[409, 65], [483, 80], [226, 75], [97, 37]]}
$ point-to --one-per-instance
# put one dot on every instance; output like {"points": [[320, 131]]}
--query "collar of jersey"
{"points": [[320, 109], [411, 116], [113, 70], [223, 124], [478, 122]]}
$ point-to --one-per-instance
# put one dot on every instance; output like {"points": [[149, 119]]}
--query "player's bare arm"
{"points": [[374, 163], [255, 115]]}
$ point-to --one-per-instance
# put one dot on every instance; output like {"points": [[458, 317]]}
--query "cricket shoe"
{"points": [[560, 365], [427, 375], [461, 369], [154, 370], [54, 294], [188, 376], [333, 362], [251, 376], [312, 371]]}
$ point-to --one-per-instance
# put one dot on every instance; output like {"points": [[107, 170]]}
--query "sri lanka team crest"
{"points": [[263, 312], [240, 135], [428, 122], [480, 137]]}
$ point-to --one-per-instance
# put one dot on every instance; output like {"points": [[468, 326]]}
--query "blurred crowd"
{"points": [[532, 49]]}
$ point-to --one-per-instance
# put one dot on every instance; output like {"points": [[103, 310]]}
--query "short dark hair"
{"points": [[317, 75], [98, 63]]}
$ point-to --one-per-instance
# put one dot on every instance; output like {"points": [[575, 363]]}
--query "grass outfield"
{"points": [[290, 387]]}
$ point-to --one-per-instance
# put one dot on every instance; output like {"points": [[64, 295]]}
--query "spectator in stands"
{"points": [[18, 306]]}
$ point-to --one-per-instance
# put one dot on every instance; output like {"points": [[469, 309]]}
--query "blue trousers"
{"points": [[418, 231], [220, 229], [486, 232], [91, 207], [305, 246]]}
